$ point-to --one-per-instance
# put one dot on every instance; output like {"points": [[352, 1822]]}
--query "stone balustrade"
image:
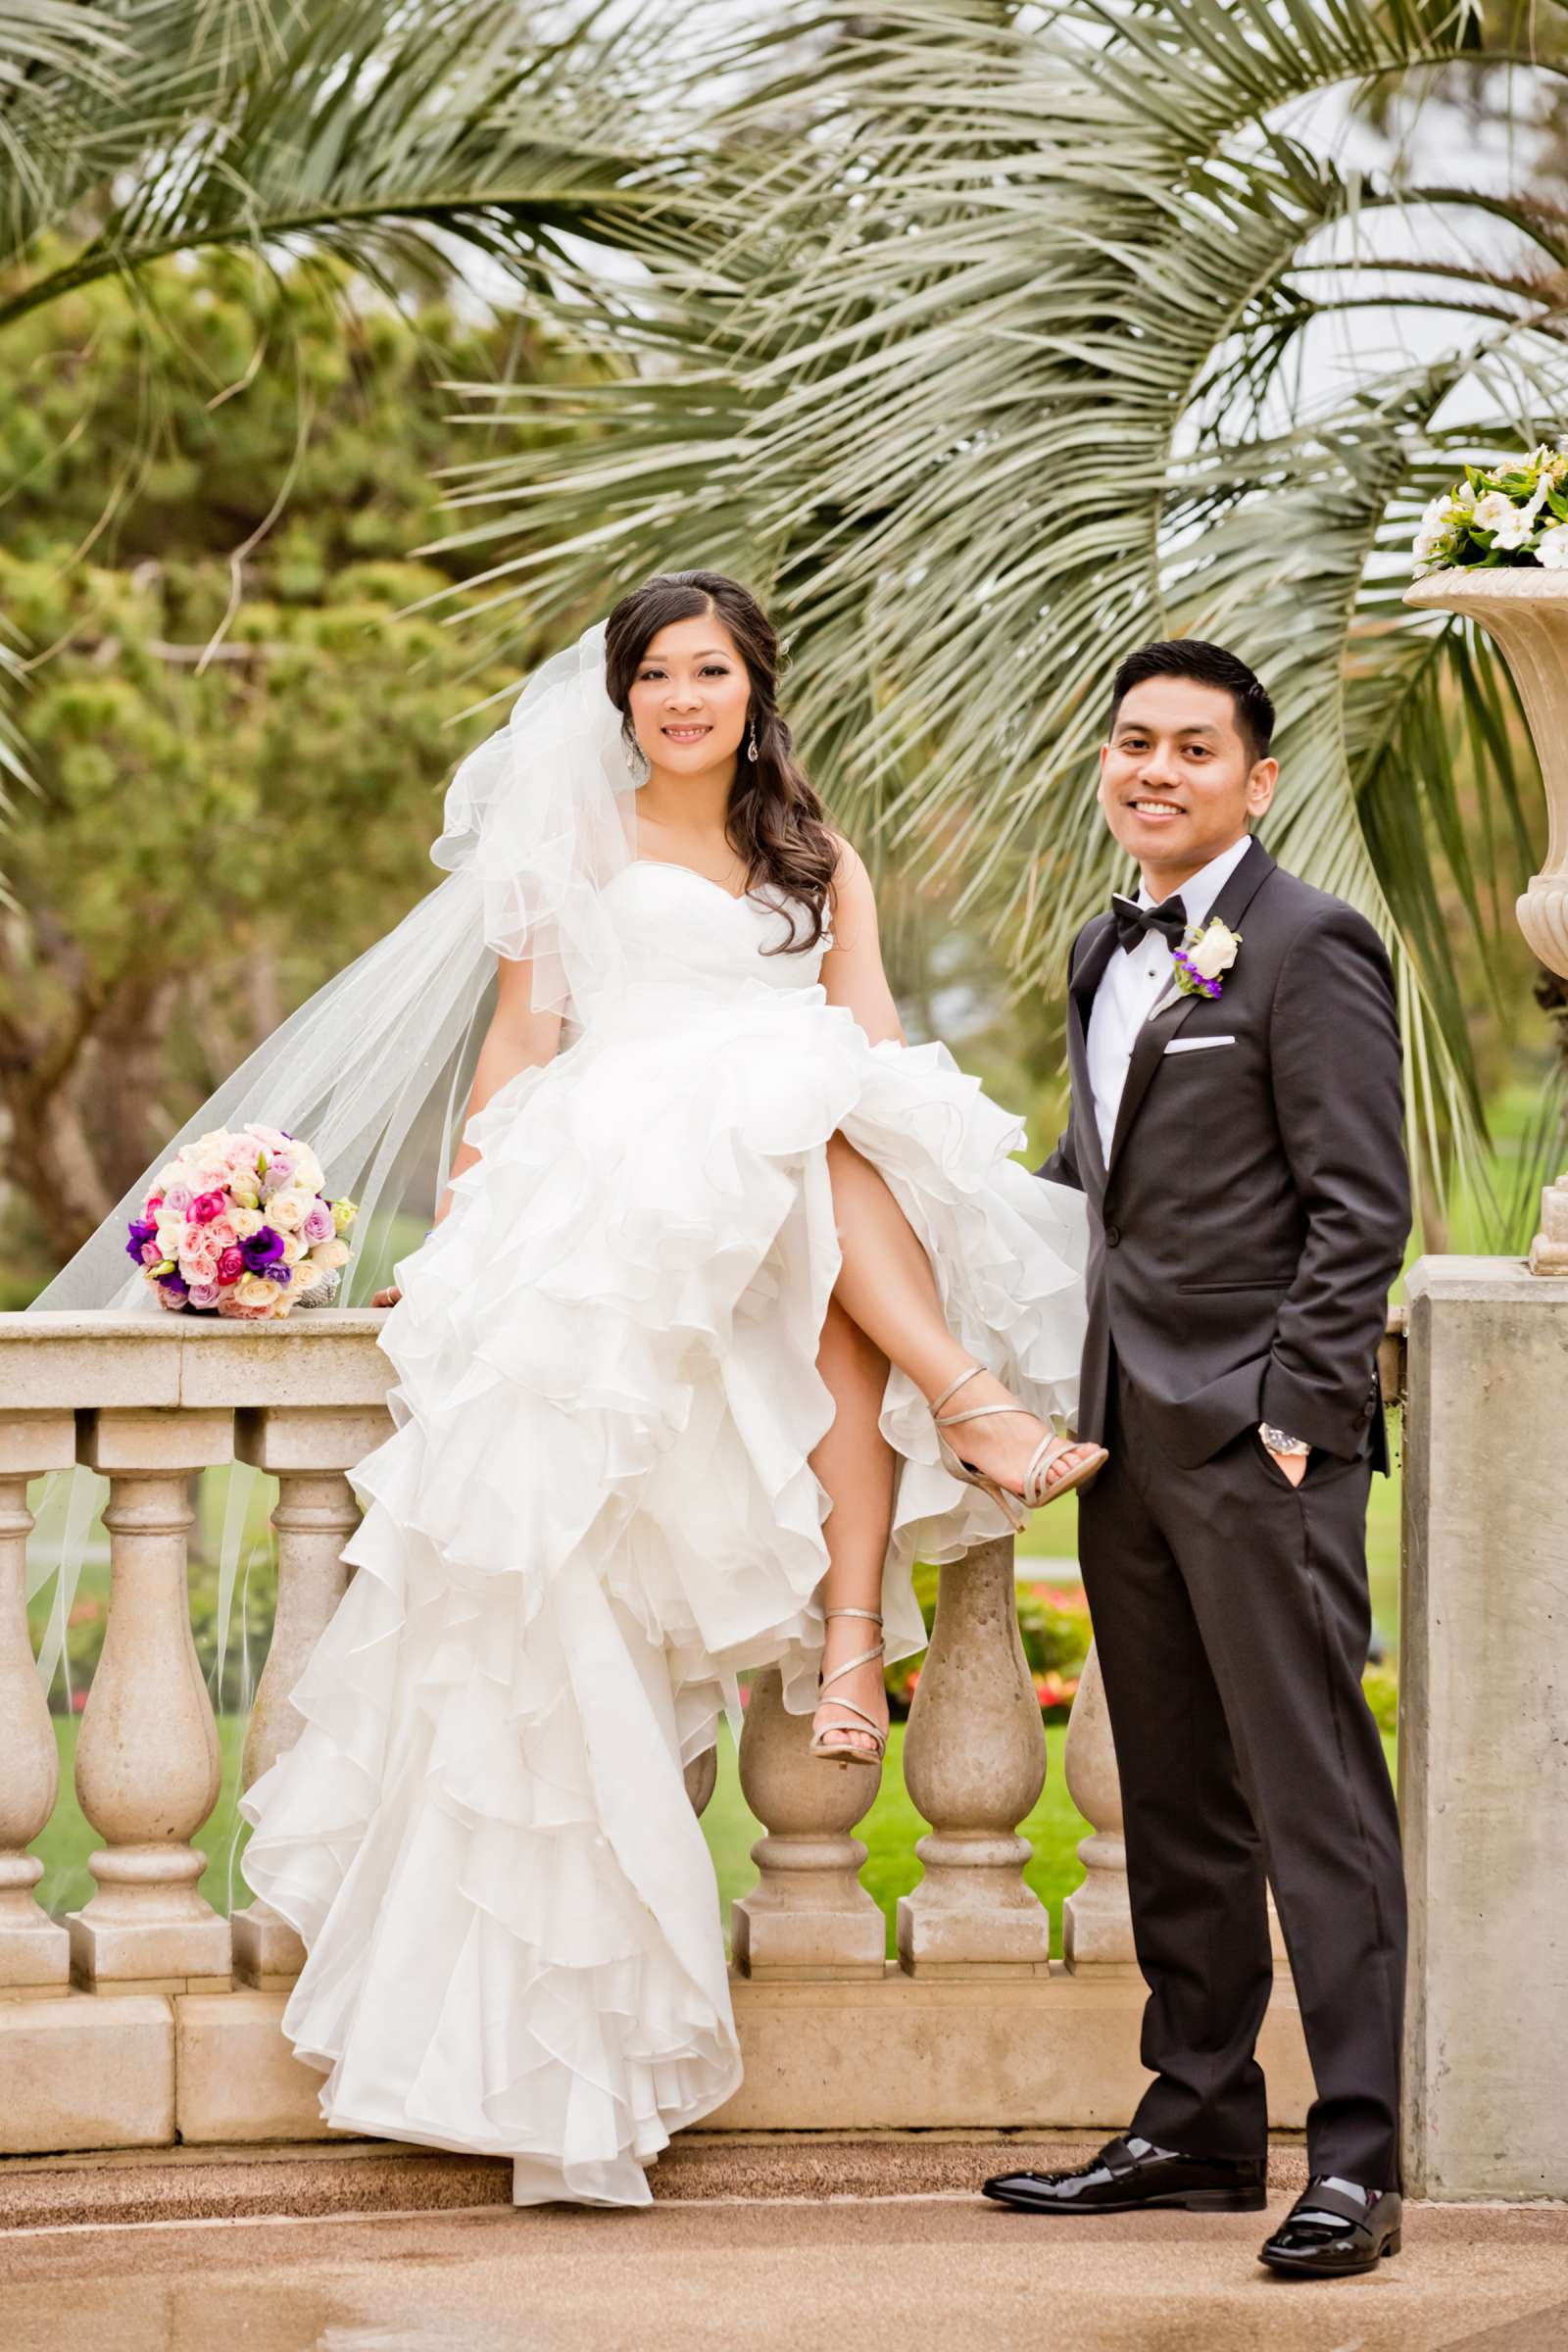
{"points": [[147, 2015]]}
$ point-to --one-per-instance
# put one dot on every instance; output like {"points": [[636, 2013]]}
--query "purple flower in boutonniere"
{"points": [[1203, 955]]}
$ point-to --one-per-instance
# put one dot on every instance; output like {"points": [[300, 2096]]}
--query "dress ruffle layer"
{"points": [[596, 1510]]}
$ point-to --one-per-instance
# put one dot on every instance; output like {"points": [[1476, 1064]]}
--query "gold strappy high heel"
{"points": [[1037, 1490], [843, 1753]]}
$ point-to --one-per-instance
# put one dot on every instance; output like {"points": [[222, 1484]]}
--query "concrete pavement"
{"points": [[849, 2246]]}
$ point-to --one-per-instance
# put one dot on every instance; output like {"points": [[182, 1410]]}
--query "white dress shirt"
{"points": [[1132, 985]]}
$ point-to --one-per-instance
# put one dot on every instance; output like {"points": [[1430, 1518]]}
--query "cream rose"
{"points": [[289, 1208], [307, 1168], [1214, 951], [255, 1291], [245, 1222], [331, 1253]]}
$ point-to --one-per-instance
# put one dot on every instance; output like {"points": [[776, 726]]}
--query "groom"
{"points": [[1236, 1127]]}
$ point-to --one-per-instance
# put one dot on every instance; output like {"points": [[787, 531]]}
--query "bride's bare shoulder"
{"points": [[853, 898], [848, 866]]}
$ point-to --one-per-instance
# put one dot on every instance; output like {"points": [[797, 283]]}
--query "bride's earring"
{"points": [[751, 744]]}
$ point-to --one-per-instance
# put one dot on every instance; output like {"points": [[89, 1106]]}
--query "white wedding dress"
{"points": [[596, 1510]]}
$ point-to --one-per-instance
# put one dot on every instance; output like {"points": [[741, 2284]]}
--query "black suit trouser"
{"points": [[1232, 1622]]}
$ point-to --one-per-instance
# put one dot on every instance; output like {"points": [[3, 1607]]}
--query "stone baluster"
{"points": [[1096, 1920], [34, 1953], [809, 1915], [308, 1450], [974, 1763], [148, 1764], [702, 1778]]}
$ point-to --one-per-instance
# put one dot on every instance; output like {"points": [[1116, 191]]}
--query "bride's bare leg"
{"points": [[886, 1287], [856, 1465]]}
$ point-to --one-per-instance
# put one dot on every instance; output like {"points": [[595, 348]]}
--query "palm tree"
{"points": [[1026, 334], [400, 136]]}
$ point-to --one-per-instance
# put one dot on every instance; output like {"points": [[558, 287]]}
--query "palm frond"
{"points": [[364, 125], [997, 367]]}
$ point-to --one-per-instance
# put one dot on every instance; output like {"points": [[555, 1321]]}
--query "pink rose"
{"points": [[230, 1265], [208, 1205], [318, 1225], [230, 1306], [154, 1203], [151, 1254], [271, 1138], [205, 1294], [221, 1233]]}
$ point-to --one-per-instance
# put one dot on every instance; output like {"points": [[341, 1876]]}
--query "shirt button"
{"points": [[1112, 1236]]}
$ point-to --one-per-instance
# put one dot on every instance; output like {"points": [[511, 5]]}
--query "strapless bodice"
{"points": [[672, 924]]}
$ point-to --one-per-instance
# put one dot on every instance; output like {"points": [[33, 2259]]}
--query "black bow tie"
{"points": [[1133, 922]]}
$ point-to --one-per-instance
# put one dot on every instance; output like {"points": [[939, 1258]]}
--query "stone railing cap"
{"points": [[1493, 1278]]}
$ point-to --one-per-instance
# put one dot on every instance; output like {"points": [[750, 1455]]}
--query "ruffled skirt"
{"points": [[596, 1510]]}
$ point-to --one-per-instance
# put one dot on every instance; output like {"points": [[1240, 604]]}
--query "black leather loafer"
{"points": [[1132, 2175], [1336, 2229]]}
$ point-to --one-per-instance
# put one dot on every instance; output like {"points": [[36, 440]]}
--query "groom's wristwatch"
{"points": [[1280, 1441]]}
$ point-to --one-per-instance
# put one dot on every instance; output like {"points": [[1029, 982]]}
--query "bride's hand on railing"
{"points": [[392, 1293]]}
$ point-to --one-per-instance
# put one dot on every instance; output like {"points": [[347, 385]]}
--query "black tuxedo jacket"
{"points": [[1254, 1215]]}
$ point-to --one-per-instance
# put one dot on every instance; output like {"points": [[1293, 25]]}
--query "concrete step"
{"points": [[378, 2176]]}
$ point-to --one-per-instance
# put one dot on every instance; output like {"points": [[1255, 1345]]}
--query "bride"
{"points": [[735, 1307]]}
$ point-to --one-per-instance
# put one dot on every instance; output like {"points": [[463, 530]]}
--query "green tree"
{"points": [[392, 137], [239, 726]]}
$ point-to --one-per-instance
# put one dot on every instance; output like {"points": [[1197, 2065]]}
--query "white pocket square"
{"points": [[1198, 1044]]}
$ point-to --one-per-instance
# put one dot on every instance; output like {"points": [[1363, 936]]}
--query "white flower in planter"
{"points": [[1507, 523], [1553, 548]]}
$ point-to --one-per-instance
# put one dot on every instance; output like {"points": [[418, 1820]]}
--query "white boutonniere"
{"points": [[1206, 953]]}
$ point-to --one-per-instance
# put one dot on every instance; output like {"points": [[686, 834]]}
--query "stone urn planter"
{"points": [[1526, 610]]}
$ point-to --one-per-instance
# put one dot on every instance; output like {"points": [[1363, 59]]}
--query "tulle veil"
{"points": [[374, 1070]]}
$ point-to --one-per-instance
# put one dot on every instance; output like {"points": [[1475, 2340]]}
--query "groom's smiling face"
{"points": [[1178, 780]]}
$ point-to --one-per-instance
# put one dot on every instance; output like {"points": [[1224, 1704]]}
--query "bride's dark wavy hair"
{"points": [[775, 819]]}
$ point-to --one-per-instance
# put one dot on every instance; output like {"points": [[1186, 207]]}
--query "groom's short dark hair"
{"points": [[1206, 665]]}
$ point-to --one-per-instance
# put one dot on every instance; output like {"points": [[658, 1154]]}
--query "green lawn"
{"points": [[889, 1829]]}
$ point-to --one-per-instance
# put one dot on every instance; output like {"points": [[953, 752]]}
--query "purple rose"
{"points": [[142, 1230], [177, 1197], [263, 1249], [208, 1205], [231, 1264], [318, 1225]]}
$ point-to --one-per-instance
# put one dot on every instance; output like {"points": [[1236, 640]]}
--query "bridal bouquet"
{"points": [[1517, 513], [238, 1225]]}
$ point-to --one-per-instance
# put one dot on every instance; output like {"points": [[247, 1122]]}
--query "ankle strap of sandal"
{"points": [[953, 1385]]}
